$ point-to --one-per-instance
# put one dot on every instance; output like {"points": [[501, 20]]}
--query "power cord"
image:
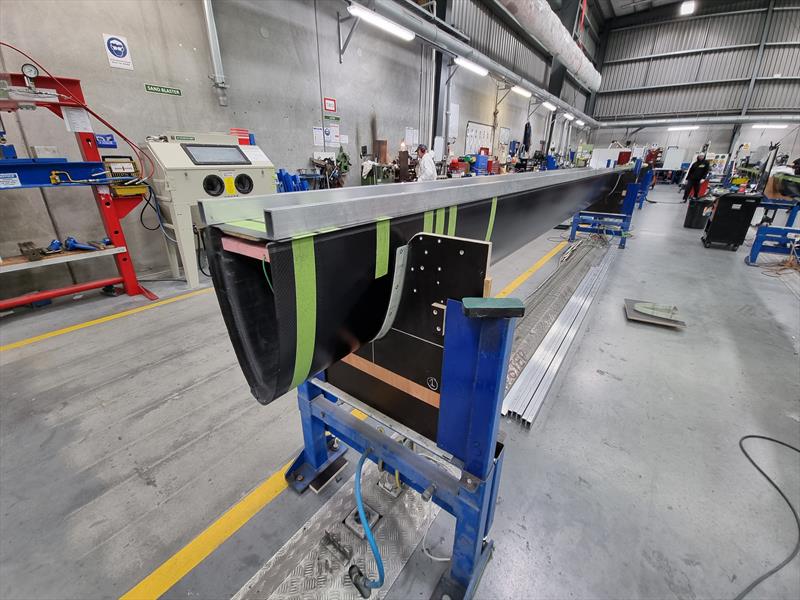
{"points": [[796, 549], [361, 581]]}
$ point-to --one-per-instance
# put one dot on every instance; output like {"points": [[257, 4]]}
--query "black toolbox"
{"points": [[730, 219]]}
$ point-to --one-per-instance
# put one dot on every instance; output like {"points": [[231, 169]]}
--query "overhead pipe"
{"points": [[450, 44], [218, 77], [538, 18], [715, 120]]}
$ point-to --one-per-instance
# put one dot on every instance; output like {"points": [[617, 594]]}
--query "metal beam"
{"points": [[711, 120], [287, 215], [644, 88], [759, 57], [679, 53], [682, 19]]}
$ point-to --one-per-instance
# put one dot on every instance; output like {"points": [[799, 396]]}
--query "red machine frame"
{"points": [[112, 209]]}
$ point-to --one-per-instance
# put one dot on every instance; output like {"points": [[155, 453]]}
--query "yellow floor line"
{"points": [[191, 555], [119, 315], [523, 277]]}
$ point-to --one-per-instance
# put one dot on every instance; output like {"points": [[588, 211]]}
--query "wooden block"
{"points": [[487, 287]]}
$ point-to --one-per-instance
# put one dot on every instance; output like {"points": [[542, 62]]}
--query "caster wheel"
{"points": [[734, 248], [706, 244]]}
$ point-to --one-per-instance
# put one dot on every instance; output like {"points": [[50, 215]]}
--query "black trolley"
{"points": [[730, 219]]}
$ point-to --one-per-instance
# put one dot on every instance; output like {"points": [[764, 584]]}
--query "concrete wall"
{"points": [[280, 57]]}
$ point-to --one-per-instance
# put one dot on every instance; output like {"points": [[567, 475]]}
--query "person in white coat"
{"points": [[426, 168]]}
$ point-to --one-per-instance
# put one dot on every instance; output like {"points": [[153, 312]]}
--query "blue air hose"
{"points": [[370, 538]]}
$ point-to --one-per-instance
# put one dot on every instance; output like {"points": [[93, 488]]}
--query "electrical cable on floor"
{"points": [[366, 581], [796, 549], [428, 523]]}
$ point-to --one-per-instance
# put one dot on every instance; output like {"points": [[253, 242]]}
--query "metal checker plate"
{"points": [[305, 568]]}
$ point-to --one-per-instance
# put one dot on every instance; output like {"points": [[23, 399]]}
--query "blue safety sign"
{"points": [[105, 140], [117, 47]]}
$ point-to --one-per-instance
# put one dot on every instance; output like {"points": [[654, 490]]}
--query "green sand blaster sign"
{"points": [[162, 89]]}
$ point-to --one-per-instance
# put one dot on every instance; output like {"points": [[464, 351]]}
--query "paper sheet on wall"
{"points": [[76, 119], [412, 137], [331, 133], [343, 139], [319, 138]]}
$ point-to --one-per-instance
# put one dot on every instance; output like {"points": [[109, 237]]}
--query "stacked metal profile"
{"points": [[524, 401]]}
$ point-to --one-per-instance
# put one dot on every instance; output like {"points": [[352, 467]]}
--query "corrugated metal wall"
{"points": [[495, 39], [703, 65]]}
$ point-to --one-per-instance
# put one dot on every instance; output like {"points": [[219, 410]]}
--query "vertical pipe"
{"points": [[447, 108], [216, 56]]}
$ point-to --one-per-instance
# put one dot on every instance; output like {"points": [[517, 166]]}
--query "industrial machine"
{"points": [[114, 183], [730, 219], [375, 300], [195, 166]]}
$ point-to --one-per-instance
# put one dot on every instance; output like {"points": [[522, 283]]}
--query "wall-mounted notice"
{"points": [[118, 51], [319, 137], [412, 138], [76, 119]]}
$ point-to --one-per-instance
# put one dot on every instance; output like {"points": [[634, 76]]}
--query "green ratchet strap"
{"points": [[451, 220], [427, 222], [382, 229], [250, 224], [491, 220], [305, 289], [439, 221]]}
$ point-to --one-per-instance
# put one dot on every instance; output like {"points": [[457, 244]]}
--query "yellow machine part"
{"points": [[129, 190]]}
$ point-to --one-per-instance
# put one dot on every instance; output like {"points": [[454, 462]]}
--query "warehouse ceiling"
{"points": [[622, 8]]}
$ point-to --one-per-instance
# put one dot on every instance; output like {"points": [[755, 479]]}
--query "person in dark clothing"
{"points": [[697, 173], [796, 166]]}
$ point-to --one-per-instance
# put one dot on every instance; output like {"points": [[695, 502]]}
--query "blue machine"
{"points": [[776, 239], [551, 164], [288, 182], [614, 224], [476, 350]]}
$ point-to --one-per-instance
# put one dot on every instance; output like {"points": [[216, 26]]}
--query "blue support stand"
{"points": [[775, 239], [614, 224], [476, 351], [644, 187]]}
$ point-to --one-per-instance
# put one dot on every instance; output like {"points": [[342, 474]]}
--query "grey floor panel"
{"points": [[306, 567]]}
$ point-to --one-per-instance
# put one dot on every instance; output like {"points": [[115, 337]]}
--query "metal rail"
{"points": [[296, 213]]}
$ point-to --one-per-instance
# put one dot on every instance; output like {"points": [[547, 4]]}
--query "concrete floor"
{"points": [[121, 442]]}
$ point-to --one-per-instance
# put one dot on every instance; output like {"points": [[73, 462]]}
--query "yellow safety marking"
{"points": [[193, 553], [230, 187], [536, 266], [112, 317], [358, 414]]}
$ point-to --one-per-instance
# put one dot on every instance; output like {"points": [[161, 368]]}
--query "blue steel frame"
{"points": [[35, 172], [476, 351], [775, 239], [614, 224], [644, 187]]}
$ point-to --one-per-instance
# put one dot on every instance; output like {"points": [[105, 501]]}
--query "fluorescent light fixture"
{"points": [[381, 22], [569, 116], [521, 91], [471, 66], [684, 128], [549, 106], [580, 123], [687, 8], [769, 126]]}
